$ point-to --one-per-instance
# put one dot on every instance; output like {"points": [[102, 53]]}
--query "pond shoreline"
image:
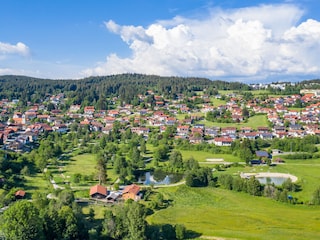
{"points": [[269, 174]]}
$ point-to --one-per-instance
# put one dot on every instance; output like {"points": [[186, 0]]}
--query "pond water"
{"points": [[269, 180], [159, 177]]}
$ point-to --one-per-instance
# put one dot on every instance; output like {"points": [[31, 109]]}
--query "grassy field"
{"points": [[254, 122], [254, 92], [83, 164], [223, 213], [217, 102], [201, 156], [308, 173], [37, 183]]}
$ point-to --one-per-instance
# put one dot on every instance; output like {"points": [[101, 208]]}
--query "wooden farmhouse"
{"points": [[131, 192], [98, 192]]}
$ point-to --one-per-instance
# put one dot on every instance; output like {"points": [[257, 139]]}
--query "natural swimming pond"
{"points": [[159, 177], [269, 180]]}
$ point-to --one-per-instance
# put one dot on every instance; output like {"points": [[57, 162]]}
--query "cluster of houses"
{"points": [[101, 193], [23, 128]]}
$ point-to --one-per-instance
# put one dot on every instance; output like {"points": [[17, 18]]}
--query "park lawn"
{"points": [[253, 122], [217, 102], [150, 148], [307, 171], [98, 210], [85, 164], [181, 116], [259, 92], [308, 177], [201, 156], [37, 183], [223, 213]]}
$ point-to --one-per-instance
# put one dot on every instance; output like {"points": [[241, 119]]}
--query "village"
{"points": [[22, 129]]}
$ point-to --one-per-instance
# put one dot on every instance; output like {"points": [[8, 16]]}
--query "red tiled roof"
{"points": [[20, 193], [98, 189], [131, 189]]}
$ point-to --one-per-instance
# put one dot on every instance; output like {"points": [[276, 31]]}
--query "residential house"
{"points": [[183, 130], [61, 128], [20, 194], [98, 192], [113, 113], [131, 192], [140, 130], [228, 131], [223, 141], [263, 154], [74, 108], [89, 110], [212, 132], [113, 196], [249, 135], [266, 135], [196, 139]]}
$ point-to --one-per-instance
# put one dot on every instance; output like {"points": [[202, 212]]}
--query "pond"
{"points": [[159, 177], [269, 180]]}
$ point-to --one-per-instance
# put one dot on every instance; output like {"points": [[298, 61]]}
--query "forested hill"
{"points": [[126, 86]]}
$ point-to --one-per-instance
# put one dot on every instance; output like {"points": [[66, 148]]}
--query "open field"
{"points": [[308, 174], [83, 164], [217, 102], [223, 213], [253, 122], [37, 183], [201, 156]]}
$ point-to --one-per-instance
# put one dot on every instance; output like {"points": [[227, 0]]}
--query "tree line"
{"points": [[94, 90]]}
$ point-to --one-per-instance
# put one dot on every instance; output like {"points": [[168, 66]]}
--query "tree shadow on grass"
{"points": [[168, 232]]}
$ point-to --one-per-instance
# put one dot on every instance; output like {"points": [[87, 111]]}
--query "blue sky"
{"points": [[249, 41]]}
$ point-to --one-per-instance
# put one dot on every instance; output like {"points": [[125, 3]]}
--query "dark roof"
{"points": [[255, 162], [262, 154]]}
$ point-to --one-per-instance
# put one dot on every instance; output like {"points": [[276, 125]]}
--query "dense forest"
{"points": [[126, 86]]}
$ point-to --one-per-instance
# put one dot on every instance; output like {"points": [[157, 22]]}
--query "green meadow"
{"points": [[221, 213], [202, 156], [217, 102], [253, 122], [37, 183], [213, 213]]}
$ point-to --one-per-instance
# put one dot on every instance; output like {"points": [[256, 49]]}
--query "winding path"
{"points": [[170, 185]]}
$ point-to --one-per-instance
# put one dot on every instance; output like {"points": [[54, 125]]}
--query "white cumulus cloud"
{"points": [[254, 42], [9, 49]]}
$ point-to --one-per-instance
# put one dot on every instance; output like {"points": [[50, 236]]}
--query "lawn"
{"points": [[307, 171], [83, 164], [217, 102], [253, 122], [201, 156], [223, 213], [37, 183]]}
